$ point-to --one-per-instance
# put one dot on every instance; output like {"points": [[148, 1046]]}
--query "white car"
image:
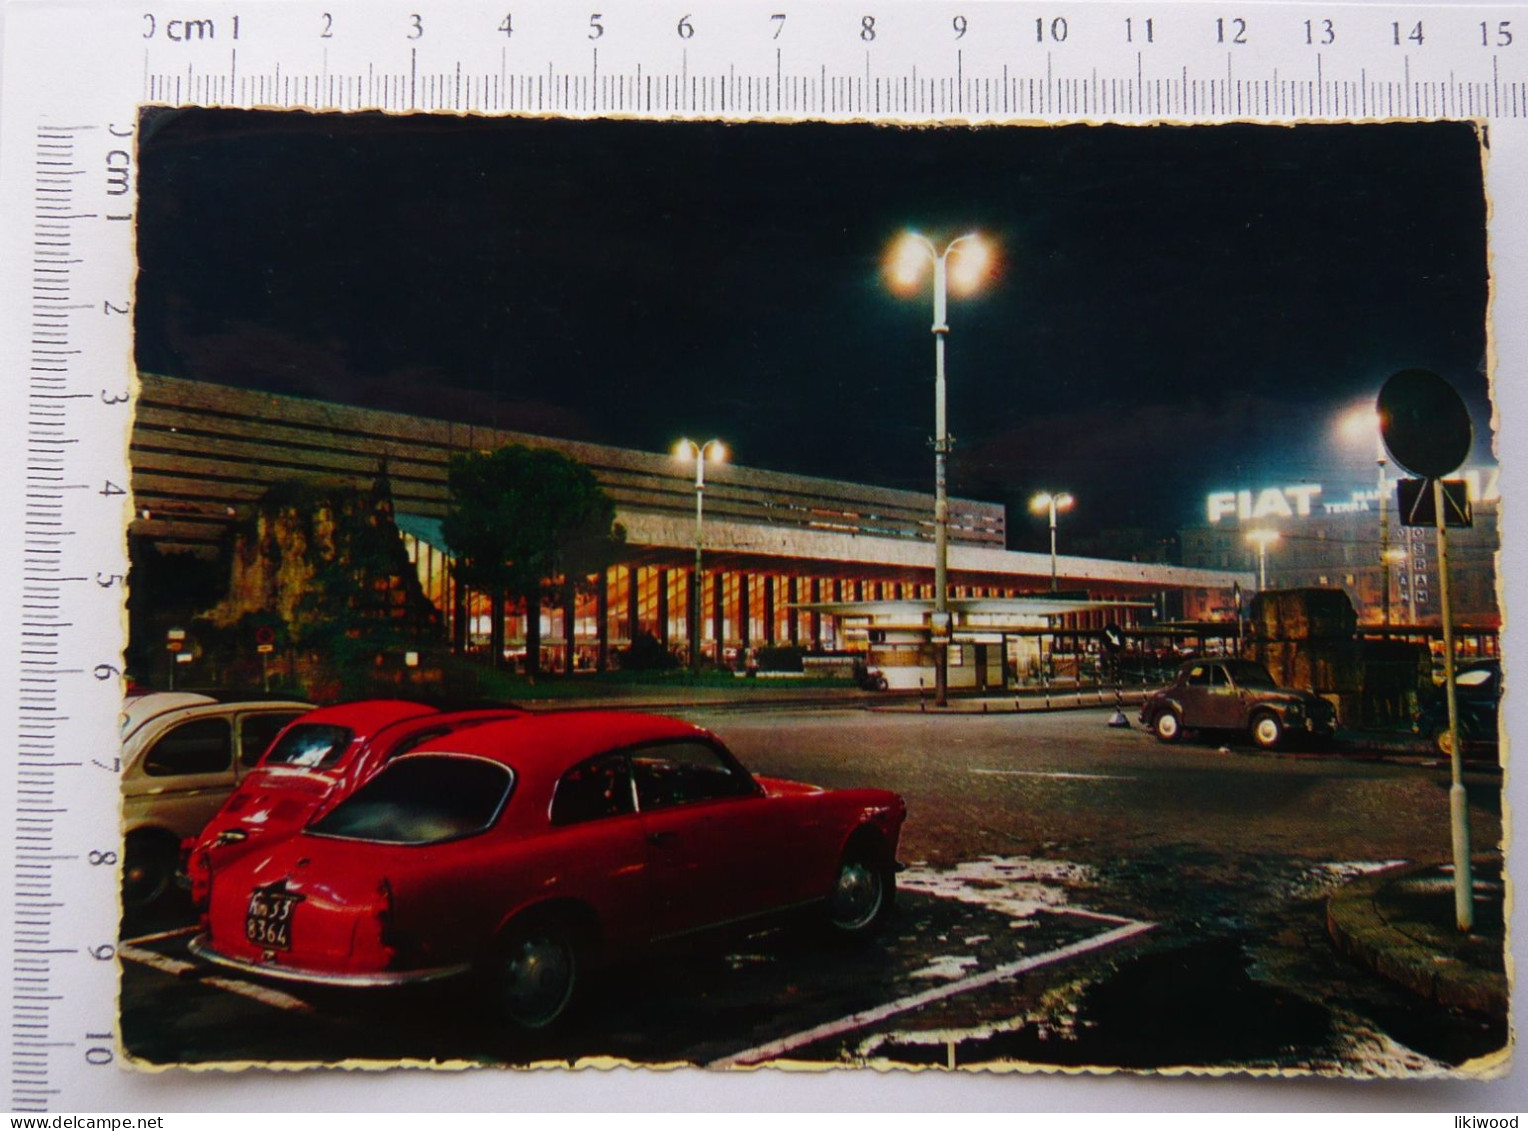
{"points": [[182, 755]]}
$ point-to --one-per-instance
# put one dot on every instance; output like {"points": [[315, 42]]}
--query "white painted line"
{"points": [[179, 968], [881, 1012], [160, 937], [1054, 774], [1099, 915], [262, 994], [161, 962]]}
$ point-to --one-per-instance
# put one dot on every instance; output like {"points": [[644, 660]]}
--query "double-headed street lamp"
{"points": [[964, 262], [1052, 502], [716, 451], [1262, 539]]}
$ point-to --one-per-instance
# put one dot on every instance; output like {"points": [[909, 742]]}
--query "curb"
{"points": [[1360, 930]]}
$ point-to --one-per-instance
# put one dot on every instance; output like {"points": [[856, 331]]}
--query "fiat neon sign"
{"points": [[1270, 502], [1482, 485]]}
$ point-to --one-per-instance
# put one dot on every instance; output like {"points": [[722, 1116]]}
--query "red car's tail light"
{"points": [[382, 938]]}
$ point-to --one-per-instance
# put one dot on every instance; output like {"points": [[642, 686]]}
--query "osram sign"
{"points": [[1482, 485]]}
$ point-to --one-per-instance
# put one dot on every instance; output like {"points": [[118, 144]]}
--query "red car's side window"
{"points": [[600, 787]]}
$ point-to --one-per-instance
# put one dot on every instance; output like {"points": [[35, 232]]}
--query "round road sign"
{"points": [[1425, 423]]}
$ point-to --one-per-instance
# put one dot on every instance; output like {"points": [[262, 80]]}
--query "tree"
{"points": [[523, 521]]}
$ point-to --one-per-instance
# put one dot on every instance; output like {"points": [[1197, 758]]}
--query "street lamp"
{"points": [[717, 451], [1048, 501], [1262, 539], [1361, 424], [964, 262]]}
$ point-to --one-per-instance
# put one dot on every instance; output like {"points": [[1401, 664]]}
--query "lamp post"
{"points": [[909, 258], [689, 449], [1262, 539], [1361, 424], [1395, 556], [1052, 502]]}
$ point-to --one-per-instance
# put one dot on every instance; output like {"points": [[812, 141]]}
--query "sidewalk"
{"points": [[1064, 698], [646, 697], [640, 697], [1401, 924]]}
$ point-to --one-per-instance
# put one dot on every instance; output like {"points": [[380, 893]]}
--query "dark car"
{"points": [[1477, 694], [1216, 694]]}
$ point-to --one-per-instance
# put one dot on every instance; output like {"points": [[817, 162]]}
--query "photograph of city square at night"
{"points": [[744, 593]]}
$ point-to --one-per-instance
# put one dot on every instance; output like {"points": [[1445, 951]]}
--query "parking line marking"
{"points": [[264, 995], [1053, 774], [160, 937], [161, 962], [179, 968], [881, 1012]]}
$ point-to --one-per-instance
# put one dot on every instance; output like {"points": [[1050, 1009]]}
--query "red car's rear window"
{"points": [[421, 799], [309, 746]]}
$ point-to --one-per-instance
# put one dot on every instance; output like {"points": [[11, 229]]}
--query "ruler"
{"points": [[74, 75]]}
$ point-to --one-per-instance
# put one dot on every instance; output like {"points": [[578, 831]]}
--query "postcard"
{"points": [[829, 595]]}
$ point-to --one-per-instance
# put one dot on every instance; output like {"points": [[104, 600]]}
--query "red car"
{"points": [[317, 759], [528, 851]]}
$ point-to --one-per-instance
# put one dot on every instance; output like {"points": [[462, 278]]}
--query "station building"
{"points": [[784, 555]]}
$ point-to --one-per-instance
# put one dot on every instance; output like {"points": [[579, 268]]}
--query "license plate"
{"points": [[268, 922]]}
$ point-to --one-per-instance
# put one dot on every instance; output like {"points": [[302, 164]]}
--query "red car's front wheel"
{"points": [[863, 892]]}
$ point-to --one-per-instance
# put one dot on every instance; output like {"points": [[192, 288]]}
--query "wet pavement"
{"points": [[1403, 923]]}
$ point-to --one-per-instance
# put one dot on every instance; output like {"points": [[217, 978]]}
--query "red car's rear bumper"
{"points": [[200, 947]]}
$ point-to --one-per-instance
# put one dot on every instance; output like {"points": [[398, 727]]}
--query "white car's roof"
{"points": [[139, 709]]}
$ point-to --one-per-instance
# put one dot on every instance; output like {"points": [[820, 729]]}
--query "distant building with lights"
{"points": [[776, 544], [1339, 542]]}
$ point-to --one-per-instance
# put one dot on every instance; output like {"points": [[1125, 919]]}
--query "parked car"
{"points": [[1220, 694], [319, 758], [1477, 694], [527, 852], [182, 755]]}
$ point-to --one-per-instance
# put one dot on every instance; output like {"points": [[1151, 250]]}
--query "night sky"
{"points": [[1176, 310]]}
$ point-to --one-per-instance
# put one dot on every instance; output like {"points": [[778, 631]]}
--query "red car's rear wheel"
{"points": [[537, 974]]}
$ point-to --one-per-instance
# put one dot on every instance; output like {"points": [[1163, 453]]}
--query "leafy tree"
{"points": [[524, 521]]}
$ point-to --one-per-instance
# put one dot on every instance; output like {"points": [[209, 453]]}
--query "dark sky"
{"points": [[1178, 309]]}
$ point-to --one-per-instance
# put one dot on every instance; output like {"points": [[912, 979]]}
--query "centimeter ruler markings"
{"points": [[62, 448], [37, 887], [587, 91], [61, 922]]}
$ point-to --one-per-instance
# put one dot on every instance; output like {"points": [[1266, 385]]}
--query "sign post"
{"points": [[1427, 429], [265, 644], [175, 644]]}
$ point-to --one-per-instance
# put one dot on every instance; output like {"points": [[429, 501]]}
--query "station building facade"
{"points": [[775, 544]]}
